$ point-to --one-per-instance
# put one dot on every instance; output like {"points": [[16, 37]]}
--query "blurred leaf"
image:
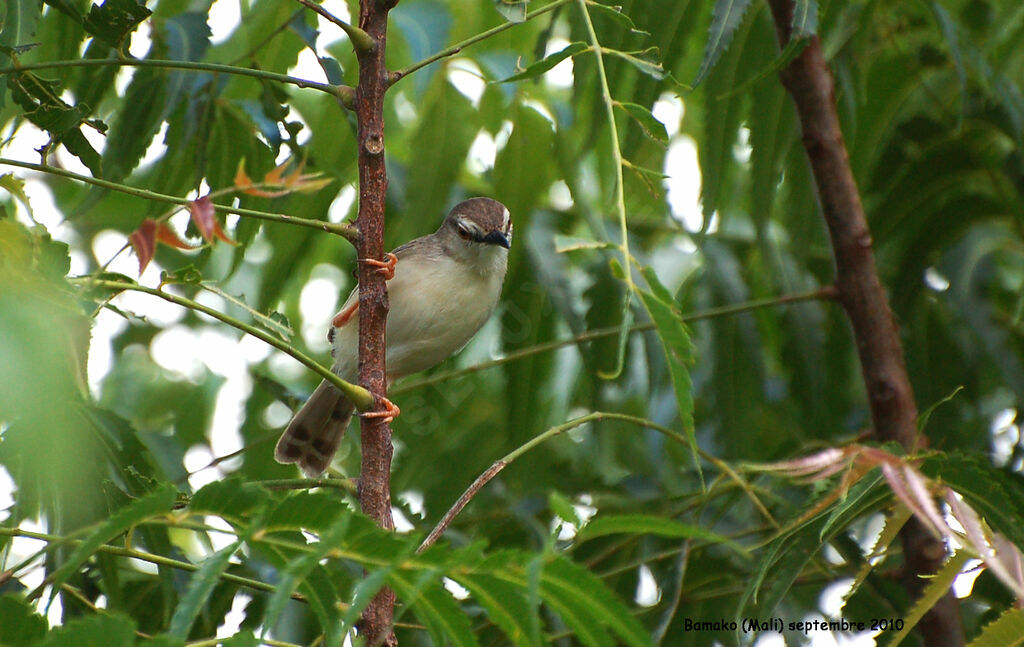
{"points": [[513, 10], [506, 606], [615, 13], [93, 631], [1007, 630], [679, 349], [157, 502], [640, 524], [563, 508], [567, 580], [540, 67], [115, 19], [726, 18], [204, 217], [200, 586], [20, 625], [805, 19], [651, 126], [435, 607]]}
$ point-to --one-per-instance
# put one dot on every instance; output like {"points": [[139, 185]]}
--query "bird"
{"points": [[442, 288]]}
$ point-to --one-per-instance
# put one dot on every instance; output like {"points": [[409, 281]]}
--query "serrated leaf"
{"points": [[572, 581], [299, 568], [15, 186], [315, 511], [640, 524], [506, 606], [548, 62], [435, 607], [362, 595], [159, 501], [513, 10], [678, 347], [805, 19], [200, 586], [20, 625], [651, 126], [726, 18], [938, 585], [113, 630], [115, 19], [1005, 631], [231, 498]]}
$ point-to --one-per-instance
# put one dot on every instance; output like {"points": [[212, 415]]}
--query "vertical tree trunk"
{"points": [[891, 397], [375, 474]]}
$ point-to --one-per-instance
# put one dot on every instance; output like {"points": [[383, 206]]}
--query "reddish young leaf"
{"points": [[205, 219], [143, 241], [169, 237]]}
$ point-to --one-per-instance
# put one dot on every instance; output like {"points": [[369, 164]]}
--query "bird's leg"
{"points": [[390, 412], [387, 268]]}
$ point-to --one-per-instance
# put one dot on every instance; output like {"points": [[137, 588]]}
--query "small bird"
{"points": [[442, 288]]}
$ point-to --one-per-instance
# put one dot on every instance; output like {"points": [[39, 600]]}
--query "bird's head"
{"points": [[478, 227]]}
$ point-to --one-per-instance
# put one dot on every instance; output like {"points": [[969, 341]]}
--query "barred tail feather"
{"points": [[314, 434]]}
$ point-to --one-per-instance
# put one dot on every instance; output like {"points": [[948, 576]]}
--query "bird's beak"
{"points": [[497, 238]]}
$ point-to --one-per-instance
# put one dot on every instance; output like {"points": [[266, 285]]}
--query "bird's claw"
{"points": [[389, 413], [385, 268]]}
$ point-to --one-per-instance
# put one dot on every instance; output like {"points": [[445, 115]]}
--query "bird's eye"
{"points": [[463, 232]]}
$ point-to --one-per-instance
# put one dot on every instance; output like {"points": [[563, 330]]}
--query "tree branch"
{"points": [[890, 394], [375, 472]]}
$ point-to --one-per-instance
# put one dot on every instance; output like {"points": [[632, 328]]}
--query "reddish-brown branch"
{"points": [[375, 475], [891, 397]]}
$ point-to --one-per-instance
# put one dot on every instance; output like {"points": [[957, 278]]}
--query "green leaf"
{"points": [[113, 630], [562, 507], [643, 61], [566, 581], [231, 498], [1006, 631], [299, 568], [435, 607], [115, 19], [506, 606], [20, 625], [805, 19], [678, 347], [200, 586], [15, 186], [726, 17], [513, 10], [548, 62], [938, 585], [922, 419], [616, 15], [314, 511], [362, 595], [640, 524], [159, 501], [651, 126]]}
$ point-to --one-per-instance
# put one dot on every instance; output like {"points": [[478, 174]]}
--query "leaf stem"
{"points": [[361, 41], [159, 560], [398, 75], [620, 198], [345, 230], [360, 397]]}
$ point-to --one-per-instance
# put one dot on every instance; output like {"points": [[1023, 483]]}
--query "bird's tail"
{"points": [[314, 434]]}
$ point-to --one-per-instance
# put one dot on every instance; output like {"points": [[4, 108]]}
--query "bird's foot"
{"points": [[390, 410], [386, 268]]}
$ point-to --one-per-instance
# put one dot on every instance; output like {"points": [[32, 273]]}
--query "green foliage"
{"points": [[719, 350]]}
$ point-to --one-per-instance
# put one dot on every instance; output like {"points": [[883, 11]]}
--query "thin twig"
{"points": [[344, 230], [398, 75], [195, 66], [826, 293], [360, 397]]}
